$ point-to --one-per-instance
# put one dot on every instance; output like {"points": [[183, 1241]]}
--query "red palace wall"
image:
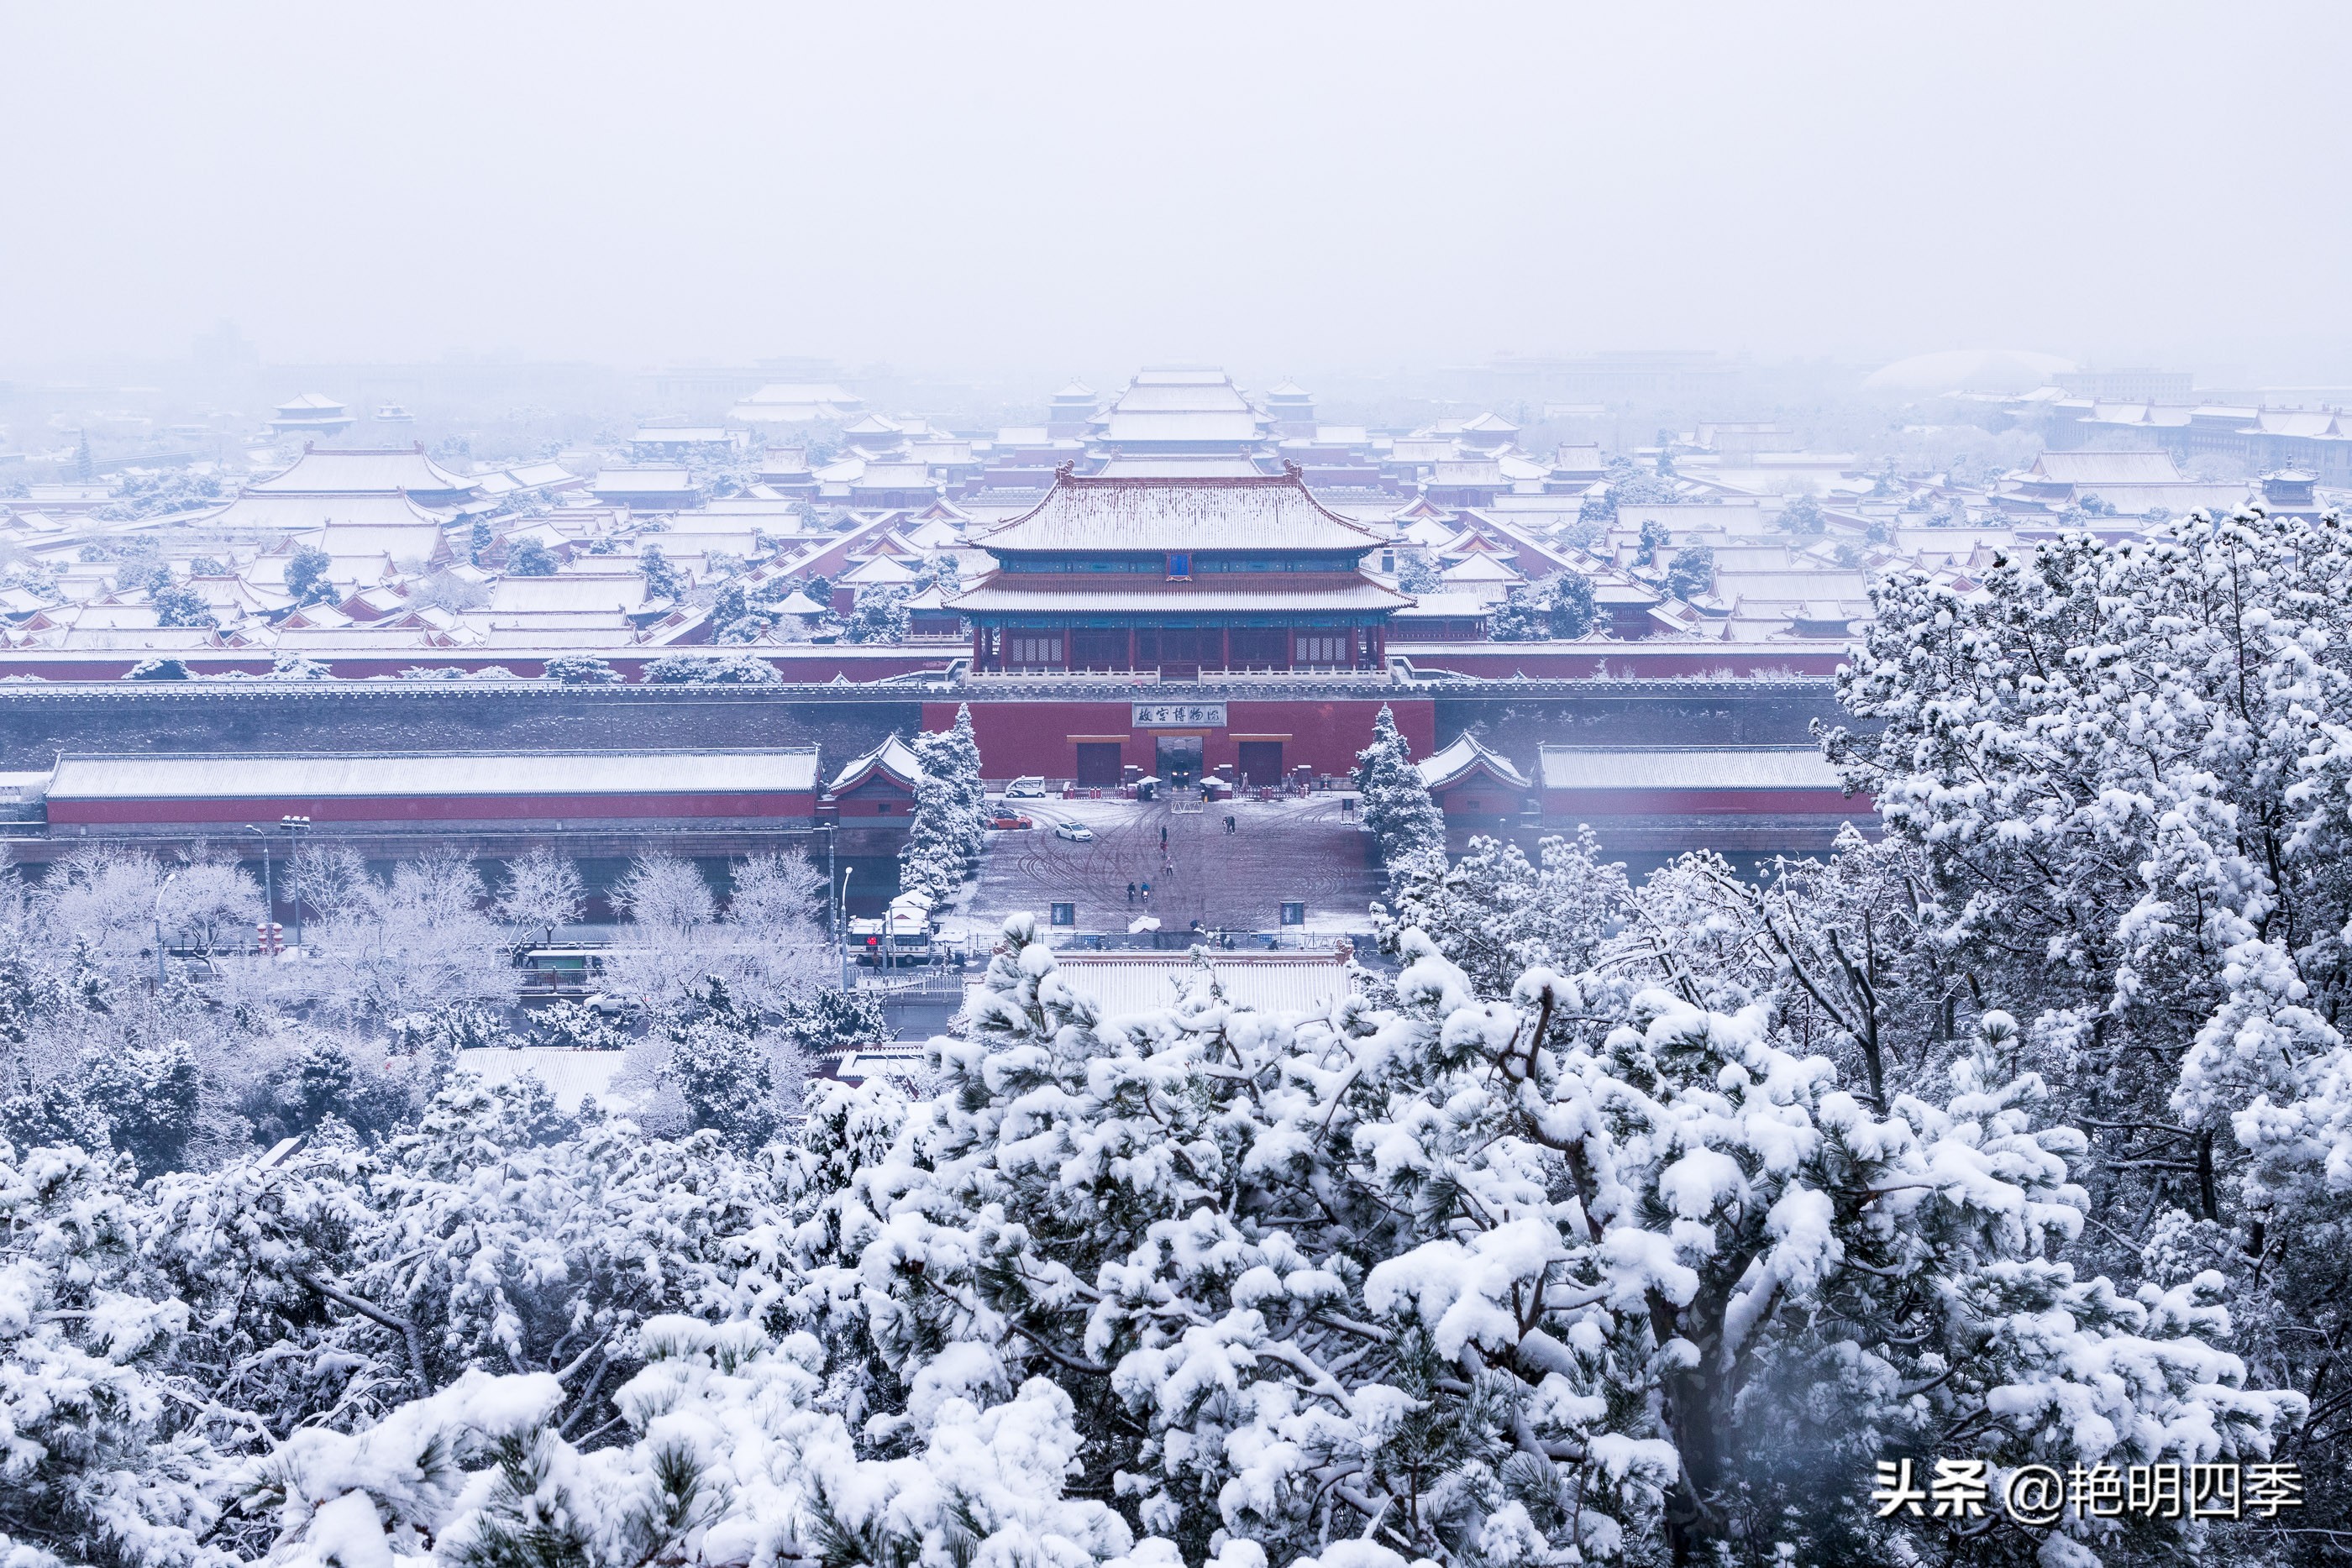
{"points": [[1623, 660], [1480, 796], [1040, 736], [814, 666], [784, 807]]}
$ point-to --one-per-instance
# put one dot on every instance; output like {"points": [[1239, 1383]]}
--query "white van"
{"points": [[1030, 788]]}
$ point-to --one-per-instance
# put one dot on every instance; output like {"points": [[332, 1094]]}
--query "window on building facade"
{"points": [[1321, 648], [1033, 647], [1179, 565]]}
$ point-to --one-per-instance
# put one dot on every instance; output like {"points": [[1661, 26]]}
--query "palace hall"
{"points": [[1179, 565]]}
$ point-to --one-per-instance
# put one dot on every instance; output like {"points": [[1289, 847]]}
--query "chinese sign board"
{"points": [[2039, 1494], [1180, 716]]}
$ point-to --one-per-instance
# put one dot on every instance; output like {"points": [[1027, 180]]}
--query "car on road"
{"points": [[1009, 821], [1030, 788], [1076, 833]]}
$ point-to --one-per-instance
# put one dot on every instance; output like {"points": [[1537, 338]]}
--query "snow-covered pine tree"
{"points": [[332, 1285], [107, 1459], [952, 755], [1569, 603], [934, 858], [723, 1456], [1600, 1269], [2122, 769], [1404, 821], [1496, 915]]}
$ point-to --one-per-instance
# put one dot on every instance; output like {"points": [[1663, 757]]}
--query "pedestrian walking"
{"points": [[1163, 835], [1229, 821]]}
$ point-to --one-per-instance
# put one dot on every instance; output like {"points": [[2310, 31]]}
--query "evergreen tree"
{"points": [[1519, 620], [1692, 572], [1803, 517], [177, 604], [1571, 606], [306, 575], [1405, 822], [881, 616], [938, 840], [532, 558], [952, 755], [1417, 571], [1655, 537], [662, 579], [1494, 915], [581, 670]]}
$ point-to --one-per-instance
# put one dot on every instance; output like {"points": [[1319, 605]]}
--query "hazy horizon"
{"points": [[1024, 194]]}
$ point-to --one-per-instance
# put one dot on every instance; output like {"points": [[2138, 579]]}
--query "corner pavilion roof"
{"points": [[1155, 515]]}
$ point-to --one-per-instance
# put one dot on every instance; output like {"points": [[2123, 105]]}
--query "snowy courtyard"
{"points": [[1299, 848]]}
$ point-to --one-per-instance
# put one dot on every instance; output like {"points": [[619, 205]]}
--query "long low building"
{"points": [[1730, 797], [581, 791]]}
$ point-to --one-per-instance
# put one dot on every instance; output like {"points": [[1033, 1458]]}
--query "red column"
{"points": [[1131, 648], [1224, 653]]}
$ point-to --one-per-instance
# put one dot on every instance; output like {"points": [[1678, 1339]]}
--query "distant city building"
{"points": [[788, 402], [2128, 385]]}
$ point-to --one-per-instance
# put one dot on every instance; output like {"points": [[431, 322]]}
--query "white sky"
{"points": [[1032, 188]]}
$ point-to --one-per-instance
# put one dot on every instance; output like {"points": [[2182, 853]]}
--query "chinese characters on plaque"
{"points": [[1172, 716]]}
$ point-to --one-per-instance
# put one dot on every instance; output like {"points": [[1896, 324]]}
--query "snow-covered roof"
{"points": [[569, 1075], [1448, 606], [1465, 757], [613, 590], [625, 481], [893, 756], [2107, 468], [1189, 424], [1687, 767], [346, 776], [879, 571], [1127, 983], [267, 513], [369, 471], [1179, 465], [1155, 515], [1481, 568], [1021, 594]]}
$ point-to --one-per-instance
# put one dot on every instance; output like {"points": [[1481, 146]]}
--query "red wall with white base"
{"points": [[1033, 735]]}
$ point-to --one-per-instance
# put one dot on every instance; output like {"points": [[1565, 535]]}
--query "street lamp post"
{"points": [[159, 929], [841, 923], [268, 889], [295, 827]]}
